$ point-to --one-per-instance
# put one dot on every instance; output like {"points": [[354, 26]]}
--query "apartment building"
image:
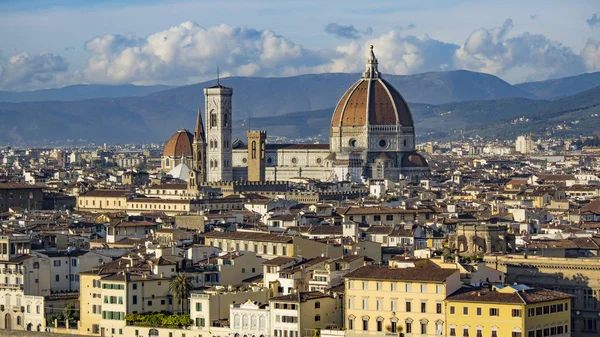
{"points": [[515, 311], [270, 246], [24, 283], [578, 277], [382, 299], [304, 313]]}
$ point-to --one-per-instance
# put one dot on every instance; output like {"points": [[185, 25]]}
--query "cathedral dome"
{"points": [[414, 160], [180, 144], [371, 101]]}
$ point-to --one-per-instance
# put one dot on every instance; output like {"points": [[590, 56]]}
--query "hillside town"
{"points": [[372, 234]]}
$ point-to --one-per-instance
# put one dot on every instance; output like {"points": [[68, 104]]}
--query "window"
{"points": [[478, 311], [465, 332], [389, 217], [378, 286], [57, 277], [350, 323], [317, 305], [149, 303], [134, 299], [377, 217], [134, 287], [452, 331], [531, 312], [439, 289], [379, 304], [423, 288], [423, 328], [438, 308], [479, 333], [451, 310], [423, 307], [465, 311], [408, 288], [516, 334], [494, 312], [408, 306], [317, 318], [408, 327], [392, 286], [365, 325], [57, 263], [516, 313], [538, 311], [393, 305], [379, 325], [364, 285], [350, 302], [365, 304]]}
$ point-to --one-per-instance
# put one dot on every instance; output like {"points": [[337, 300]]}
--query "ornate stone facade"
{"points": [[485, 238], [218, 133]]}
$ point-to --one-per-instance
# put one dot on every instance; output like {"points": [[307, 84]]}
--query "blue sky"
{"points": [[55, 43]]}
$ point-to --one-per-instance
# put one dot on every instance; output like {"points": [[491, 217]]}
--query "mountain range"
{"points": [[444, 104]]}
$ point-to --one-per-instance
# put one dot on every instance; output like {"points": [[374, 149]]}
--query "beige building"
{"points": [[381, 299], [269, 246], [303, 313], [579, 277]]}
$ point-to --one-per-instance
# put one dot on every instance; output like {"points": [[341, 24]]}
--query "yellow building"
{"points": [[270, 246], [381, 299], [103, 200], [515, 311]]}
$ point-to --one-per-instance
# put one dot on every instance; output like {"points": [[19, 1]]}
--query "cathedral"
{"points": [[372, 135]]}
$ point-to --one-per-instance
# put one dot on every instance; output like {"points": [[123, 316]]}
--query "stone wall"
{"points": [[14, 333]]}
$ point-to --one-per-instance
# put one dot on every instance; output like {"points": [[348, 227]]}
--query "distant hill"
{"points": [[568, 116], [562, 86], [79, 92], [466, 103], [269, 96]]}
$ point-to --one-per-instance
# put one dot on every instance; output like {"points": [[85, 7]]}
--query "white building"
{"points": [[524, 144], [249, 319]]}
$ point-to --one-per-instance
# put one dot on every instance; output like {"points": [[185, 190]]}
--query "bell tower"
{"points": [[256, 155], [199, 155], [218, 133]]}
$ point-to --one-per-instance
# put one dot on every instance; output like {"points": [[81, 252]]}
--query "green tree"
{"points": [[70, 313], [181, 287]]}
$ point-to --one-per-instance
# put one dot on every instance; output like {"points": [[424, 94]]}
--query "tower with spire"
{"points": [[199, 148]]}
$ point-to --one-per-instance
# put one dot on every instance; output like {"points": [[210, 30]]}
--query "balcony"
{"points": [[11, 286]]}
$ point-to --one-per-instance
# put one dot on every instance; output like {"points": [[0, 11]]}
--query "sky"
{"points": [[54, 43]]}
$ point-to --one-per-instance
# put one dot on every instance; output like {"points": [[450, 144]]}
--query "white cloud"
{"points": [[591, 55], [519, 58], [190, 51], [24, 71]]}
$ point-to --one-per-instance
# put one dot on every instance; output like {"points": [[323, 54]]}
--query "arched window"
{"points": [[253, 149], [245, 321], [253, 322], [19, 320], [153, 333], [236, 321], [167, 162], [261, 323], [36, 265]]}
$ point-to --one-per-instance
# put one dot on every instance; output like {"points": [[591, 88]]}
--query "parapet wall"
{"points": [[15, 333]]}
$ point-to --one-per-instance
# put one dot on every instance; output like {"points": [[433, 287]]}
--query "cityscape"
{"points": [[401, 183]]}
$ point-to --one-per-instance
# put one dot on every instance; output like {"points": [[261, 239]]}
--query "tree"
{"points": [[181, 287]]}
